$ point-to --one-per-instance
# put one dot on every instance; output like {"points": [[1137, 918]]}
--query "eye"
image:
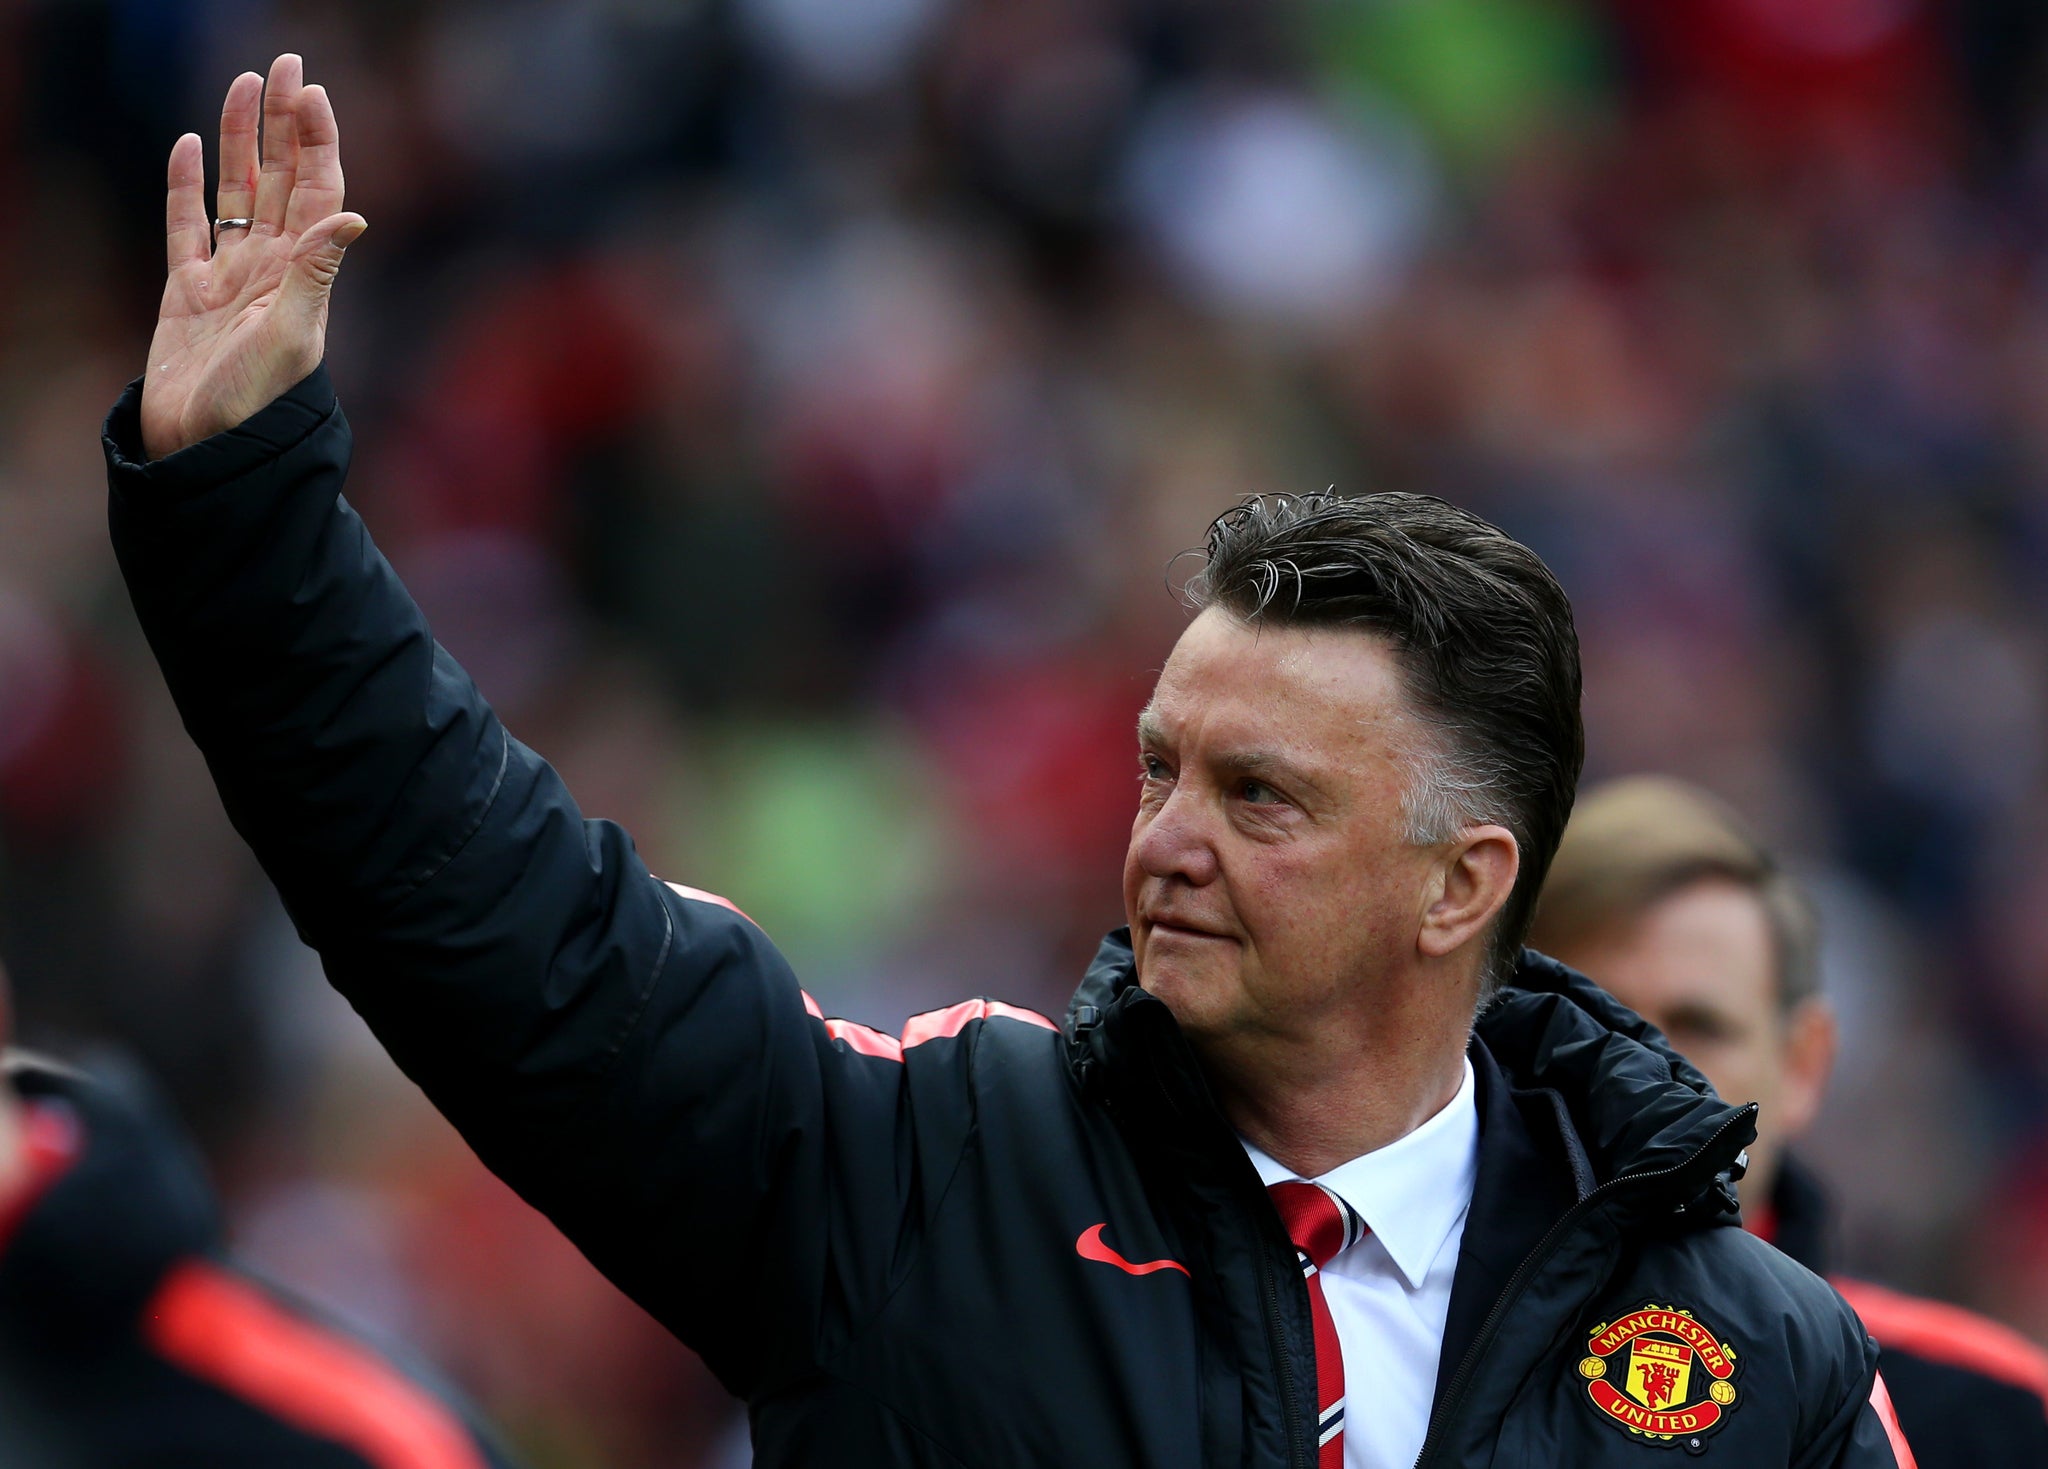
{"points": [[1258, 793], [1153, 767], [1697, 1026]]}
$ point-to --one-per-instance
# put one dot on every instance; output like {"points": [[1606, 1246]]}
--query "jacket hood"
{"points": [[1636, 1105], [1112, 971]]}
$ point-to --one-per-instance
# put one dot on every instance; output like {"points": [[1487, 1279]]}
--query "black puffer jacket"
{"points": [[875, 1240]]}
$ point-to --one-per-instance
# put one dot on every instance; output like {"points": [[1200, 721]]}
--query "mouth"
{"points": [[1167, 928]]}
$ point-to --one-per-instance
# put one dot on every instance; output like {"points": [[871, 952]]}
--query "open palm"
{"points": [[244, 317]]}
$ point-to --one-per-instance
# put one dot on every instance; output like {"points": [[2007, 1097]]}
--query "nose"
{"points": [[1177, 840]]}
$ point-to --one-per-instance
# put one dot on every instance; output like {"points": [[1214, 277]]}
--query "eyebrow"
{"points": [[1700, 1016], [1152, 734]]}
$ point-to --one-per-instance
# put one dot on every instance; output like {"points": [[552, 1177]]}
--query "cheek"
{"points": [[1762, 1079], [1133, 878], [1739, 1072], [1133, 870], [1314, 907]]}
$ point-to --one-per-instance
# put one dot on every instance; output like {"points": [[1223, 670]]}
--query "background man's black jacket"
{"points": [[875, 1241], [1967, 1390], [128, 1341]]}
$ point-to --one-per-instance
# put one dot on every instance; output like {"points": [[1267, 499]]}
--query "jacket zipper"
{"points": [[1300, 1450], [1535, 1260], [1276, 1335]]}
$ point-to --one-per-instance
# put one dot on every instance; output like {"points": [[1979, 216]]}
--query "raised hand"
{"points": [[244, 316]]}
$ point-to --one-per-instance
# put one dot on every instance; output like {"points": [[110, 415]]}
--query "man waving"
{"points": [[1264, 1197]]}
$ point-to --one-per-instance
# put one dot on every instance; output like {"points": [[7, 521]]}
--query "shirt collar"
{"points": [[1412, 1192]]}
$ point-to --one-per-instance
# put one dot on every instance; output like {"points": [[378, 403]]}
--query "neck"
{"points": [[1316, 1100]]}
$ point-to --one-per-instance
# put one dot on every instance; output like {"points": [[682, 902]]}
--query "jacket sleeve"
{"points": [[1872, 1439], [636, 1062]]}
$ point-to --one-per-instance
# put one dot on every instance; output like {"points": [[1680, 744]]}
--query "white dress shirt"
{"points": [[1390, 1292]]}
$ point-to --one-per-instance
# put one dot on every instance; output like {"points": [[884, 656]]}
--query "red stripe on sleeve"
{"points": [[1013, 1012], [1881, 1400], [865, 1039], [931, 1026], [699, 895], [222, 1329], [938, 1024], [861, 1038]]}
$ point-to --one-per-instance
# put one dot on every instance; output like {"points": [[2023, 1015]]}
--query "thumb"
{"points": [[316, 260]]}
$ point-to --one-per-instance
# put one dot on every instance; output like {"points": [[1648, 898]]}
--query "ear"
{"points": [[1811, 1037], [1473, 879]]}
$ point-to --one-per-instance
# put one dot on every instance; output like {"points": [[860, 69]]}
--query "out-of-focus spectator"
{"points": [[1660, 896], [126, 1338]]}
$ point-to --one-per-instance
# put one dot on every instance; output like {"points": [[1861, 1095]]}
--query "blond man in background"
{"points": [[1661, 895]]}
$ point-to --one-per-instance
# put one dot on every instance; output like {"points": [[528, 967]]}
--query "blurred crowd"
{"points": [[792, 410]]}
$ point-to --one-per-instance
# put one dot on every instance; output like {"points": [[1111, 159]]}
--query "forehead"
{"points": [[1304, 688], [1708, 944]]}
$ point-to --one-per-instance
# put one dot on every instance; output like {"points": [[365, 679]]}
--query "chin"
{"points": [[1192, 992]]}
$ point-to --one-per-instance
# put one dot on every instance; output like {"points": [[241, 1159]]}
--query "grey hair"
{"points": [[1449, 791]]}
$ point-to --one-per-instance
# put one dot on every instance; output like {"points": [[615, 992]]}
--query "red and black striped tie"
{"points": [[1321, 1224]]}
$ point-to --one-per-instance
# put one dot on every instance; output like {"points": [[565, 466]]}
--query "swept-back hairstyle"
{"points": [[1484, 639]]}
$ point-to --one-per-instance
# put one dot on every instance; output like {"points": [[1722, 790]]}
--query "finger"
{"points": [[240, 118], [316, 261], [187, 234], [280, 143], [316, 188]]}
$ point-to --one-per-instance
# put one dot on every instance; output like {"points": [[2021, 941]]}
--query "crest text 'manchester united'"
{"points": [[1660, 1373]]}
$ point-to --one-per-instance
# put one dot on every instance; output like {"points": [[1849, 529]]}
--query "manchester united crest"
{"points": [[1660, 1373]]}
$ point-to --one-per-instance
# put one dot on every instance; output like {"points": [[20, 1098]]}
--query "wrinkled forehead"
{"points": [[1304, 690]]}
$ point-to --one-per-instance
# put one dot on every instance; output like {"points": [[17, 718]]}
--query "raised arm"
{"points": [[638, 1063]]}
